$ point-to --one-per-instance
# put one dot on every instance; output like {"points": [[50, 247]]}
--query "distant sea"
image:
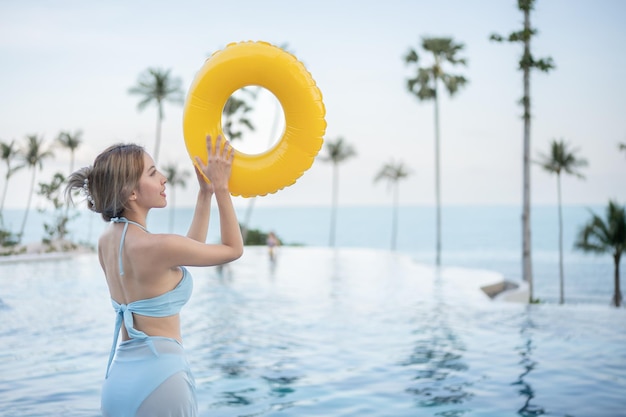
{"points": [[477, 237]]}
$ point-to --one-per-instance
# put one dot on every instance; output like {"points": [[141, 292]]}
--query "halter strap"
{"points": [[126, 222]]}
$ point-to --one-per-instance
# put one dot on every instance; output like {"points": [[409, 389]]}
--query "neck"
{"points": [[133, 216]]}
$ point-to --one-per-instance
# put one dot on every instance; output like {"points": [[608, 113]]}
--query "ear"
{"points": [[133, 196]]}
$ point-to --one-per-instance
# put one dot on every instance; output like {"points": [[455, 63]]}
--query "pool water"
{"points": [[351, 332]]}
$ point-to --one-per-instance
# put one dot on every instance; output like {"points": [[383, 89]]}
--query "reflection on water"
{"points": [[440, 371], [525, 351], [441, 378], [320, 333]]}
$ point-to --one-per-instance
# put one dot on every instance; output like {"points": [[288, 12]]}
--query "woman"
{"points": [[148, 374]]}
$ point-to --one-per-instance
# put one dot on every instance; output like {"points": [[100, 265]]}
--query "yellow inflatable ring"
{"points": [[262, 64]]}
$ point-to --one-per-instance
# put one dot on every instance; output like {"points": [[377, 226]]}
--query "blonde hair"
{"points": [[109, 182]]}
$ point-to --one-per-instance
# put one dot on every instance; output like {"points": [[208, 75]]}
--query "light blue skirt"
{"points": [[142, 383]]}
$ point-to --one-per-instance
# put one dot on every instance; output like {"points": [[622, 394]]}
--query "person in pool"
{"points": [[148, 373], [272, 243]]}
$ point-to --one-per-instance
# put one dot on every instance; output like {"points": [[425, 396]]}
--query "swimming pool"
{"points": [[321, 333]]}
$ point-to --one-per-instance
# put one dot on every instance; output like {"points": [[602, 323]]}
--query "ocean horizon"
{"points": [[475, 237]]}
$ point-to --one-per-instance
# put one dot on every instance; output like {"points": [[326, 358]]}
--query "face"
{"points": [[150, 192]]}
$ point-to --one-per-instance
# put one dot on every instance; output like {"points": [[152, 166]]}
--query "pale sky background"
{"points": [[68, 65]]}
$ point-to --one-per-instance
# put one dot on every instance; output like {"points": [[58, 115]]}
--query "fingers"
{"points": [[228, 151], [217, 169], [209, 145], [225, 151]]}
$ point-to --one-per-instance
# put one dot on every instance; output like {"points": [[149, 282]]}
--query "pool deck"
{"points": [[35, 252]]}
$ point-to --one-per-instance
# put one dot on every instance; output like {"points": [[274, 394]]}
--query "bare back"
{"points": [[143, 276]]}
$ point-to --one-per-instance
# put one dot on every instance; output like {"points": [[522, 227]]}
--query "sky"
{"points": [[68, 65]]}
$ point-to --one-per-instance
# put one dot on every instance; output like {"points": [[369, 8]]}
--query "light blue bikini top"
{"points": [[163, 305]]}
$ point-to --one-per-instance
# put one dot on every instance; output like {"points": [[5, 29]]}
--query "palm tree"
{"points": [[526, 63], [424, 86], [175, 178], [607, 236], [157, 86], [393, 173], [71, 142], [8, 152], [34, 155], [236, 114], [561, 159], [337, 152]]}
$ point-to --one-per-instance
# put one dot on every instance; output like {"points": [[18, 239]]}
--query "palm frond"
{"points": [[337, 151], [9, 152], [156, 85], [562, 158], [604, 235], [444, 50], [70, 140]]}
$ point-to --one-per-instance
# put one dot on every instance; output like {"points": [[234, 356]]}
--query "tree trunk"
{"points": [[394, 218], [4, 195], [526, 238], [333, 213], [67, 203], [157, 143], [437, 180], [30, 198], [617, 296], [561, 280], [246, 220]]}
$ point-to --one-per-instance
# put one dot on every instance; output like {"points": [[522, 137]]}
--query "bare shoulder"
{"points": [[170, 250], [160, 249], [157, 242]]}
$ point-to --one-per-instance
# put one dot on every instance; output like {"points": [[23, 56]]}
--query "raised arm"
{"points": [[217, 170], [200, 223], [174, 250]]}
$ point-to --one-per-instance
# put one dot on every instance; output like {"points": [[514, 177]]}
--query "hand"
{"points": [[218, 167]]}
